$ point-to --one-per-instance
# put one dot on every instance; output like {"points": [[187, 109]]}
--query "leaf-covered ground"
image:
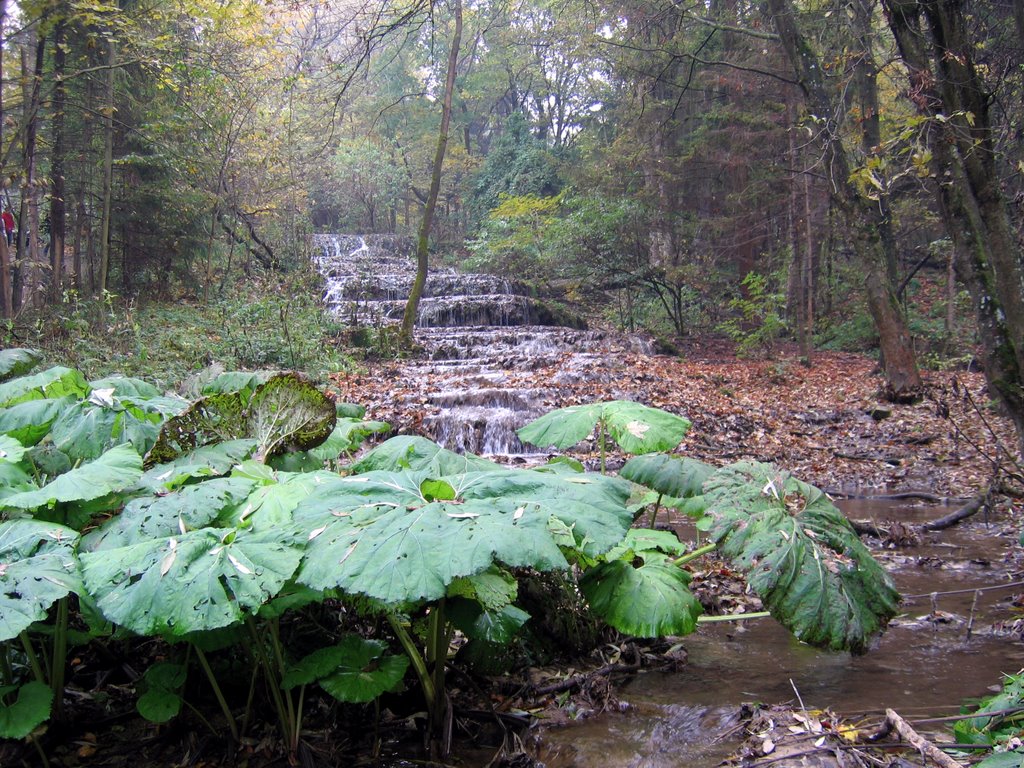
{"points": [[827, 423]]}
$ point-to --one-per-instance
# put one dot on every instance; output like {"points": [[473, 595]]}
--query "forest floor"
{"points": [[826, 423]]}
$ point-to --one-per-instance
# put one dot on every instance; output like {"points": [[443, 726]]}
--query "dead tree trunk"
{"points": [[861, 216], [423, 237]]}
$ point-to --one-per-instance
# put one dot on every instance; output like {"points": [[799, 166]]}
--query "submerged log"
{"points": [[967, 510]]}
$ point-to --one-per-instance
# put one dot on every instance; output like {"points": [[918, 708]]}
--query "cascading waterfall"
{"points": [[475, 329]]}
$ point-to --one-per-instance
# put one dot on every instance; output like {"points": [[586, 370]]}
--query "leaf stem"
{"points": [[33, 659], [217, 692], [39, 748], [601, 441], [437, 654], [654, 512], [298, 717], [733, 617], [415, 657], [294, 721], [691, 556], [263, 660], [202, 718], [60, 656], [5, 666], [249, 699]]}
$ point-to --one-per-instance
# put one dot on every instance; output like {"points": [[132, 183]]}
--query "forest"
{"points": [[215, 473]]}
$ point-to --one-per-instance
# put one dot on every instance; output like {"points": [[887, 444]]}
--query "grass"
{"points": [[272, 321]]}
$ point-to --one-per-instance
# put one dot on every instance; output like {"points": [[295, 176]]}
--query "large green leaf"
{"points": [[29, 711], [347, 436], [242, 382], [480, 606], [653, 600], [11, 450], [419, 453], [214, 419], [800, 555], [349, 410], [153, 517], [209, 461], [86, 429], [52, 383], [37, 568], [288, 412], [355, 670], [270, 505], [634, 427], [647, 543], [126, 386], [996, 718], [673, 476], [115, 470], [493, 588], [29, 422], [493, 625], [377, 534], [17, 362], [13, 479], [284, 412], [592, 506], [199, 580]]}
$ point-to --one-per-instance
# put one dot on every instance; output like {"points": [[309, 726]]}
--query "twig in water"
{"points": [[970, 621], [802, 707]]}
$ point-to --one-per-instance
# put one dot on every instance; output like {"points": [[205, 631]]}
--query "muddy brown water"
{"points": [[925, 664]]}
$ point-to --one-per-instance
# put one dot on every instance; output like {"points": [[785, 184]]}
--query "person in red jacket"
{"points": [[8, 219]]}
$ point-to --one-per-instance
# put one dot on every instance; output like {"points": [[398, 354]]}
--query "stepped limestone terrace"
{"points": [[477, 332]]}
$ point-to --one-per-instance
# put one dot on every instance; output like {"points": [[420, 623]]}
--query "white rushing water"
{"points": [[474, 330]]}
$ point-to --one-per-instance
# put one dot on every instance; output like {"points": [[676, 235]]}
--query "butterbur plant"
{"points": [[794, 547], [219, 525], [635, 428]]}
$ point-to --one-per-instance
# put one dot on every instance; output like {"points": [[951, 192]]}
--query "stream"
{"points": [[924, 665], [477, 331]]}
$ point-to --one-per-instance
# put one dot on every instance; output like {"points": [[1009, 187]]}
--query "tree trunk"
{"points": [[946, 82], [81, 220], [866, 78], [57, 187], [862, 220], [28, 215], [5, 256], [423, 237], [108, 168], [808, 277], [794, 282]]}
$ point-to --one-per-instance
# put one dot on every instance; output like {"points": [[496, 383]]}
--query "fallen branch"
{"points": [[868, 457], [869, 528], [922, 495], [894, 722], [576, 681], [954, 517]]}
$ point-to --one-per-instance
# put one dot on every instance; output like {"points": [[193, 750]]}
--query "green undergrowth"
{"points": [[272, 321], [997, 722], [849, 327]]}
